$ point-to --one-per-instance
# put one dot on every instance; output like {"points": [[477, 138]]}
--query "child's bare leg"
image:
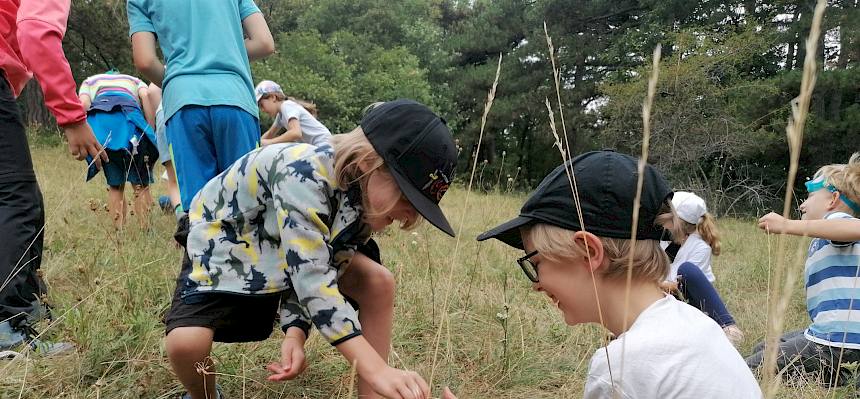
{"points": [[116, 205], [172, 187], [372, 286], [142, 203], [188, 348]]}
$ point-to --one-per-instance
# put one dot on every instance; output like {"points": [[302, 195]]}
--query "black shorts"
{"points": [[234, 317]]}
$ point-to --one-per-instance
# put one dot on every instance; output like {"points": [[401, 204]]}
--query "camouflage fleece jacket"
{"points": [[274, 222]]}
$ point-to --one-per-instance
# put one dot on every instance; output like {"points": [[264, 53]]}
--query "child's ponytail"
{"points": [[307, 105], [707, 228]]}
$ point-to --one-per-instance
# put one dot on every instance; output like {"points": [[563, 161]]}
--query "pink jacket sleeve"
{"points": [[41, 26]]}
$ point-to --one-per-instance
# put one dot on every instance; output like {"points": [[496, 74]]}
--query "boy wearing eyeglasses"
{"points": [[580, 255]]}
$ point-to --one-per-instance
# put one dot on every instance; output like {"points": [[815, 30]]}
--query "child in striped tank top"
{"points": [[831, 276]]}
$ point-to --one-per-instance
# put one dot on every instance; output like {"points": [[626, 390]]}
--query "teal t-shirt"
{"points": [[204, 49]]}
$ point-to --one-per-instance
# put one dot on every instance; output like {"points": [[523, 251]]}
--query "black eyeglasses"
{"points": [[529, 268]]}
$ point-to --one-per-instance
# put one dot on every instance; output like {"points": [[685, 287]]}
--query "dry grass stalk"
{"points": [[450, 280], [794, 131], [643, 160], [564, 150]]}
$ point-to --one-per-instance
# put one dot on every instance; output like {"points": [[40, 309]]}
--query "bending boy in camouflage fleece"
{"points": [[275, 232]]}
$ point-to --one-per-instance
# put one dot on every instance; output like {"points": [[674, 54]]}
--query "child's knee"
{"points": [[381, 281], [188, 343]]}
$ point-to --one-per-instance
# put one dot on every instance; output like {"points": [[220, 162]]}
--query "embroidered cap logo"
{"points": [[437, 186]]}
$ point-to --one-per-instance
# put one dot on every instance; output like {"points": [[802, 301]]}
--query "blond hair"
{"points": [[707, 228], [649, 262], [844, 177], [351, 150]]}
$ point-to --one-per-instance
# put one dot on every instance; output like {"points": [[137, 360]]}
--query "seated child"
{"points": [[831, 275], [298, 117], [690, 272], [274, 234], [117, 109], [668, 348]]}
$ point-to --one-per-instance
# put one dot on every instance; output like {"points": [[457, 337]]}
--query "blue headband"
{"points": [[821, 183]]}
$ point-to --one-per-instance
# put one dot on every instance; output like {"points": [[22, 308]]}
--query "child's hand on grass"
{"points": [[772, 223], [399, 384], [292, 357]]}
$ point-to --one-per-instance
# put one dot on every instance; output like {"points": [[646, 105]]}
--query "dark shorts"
{"points": [[234, 317], [135, 169]]}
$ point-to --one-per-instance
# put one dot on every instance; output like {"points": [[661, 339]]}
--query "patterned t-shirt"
{"points": [[275, 222], [832, 277]]}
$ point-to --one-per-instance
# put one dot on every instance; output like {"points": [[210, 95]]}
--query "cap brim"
{"points": [[508, 232], [258, 97], [429, 210]]}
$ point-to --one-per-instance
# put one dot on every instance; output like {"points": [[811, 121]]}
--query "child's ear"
{"points": [[591, 247], [834, 201]]}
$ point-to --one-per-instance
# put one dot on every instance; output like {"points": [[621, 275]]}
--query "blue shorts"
{"points": [[205, 141], [124, 167]]}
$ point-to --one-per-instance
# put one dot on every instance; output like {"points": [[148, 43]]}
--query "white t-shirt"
{"points": [[673, 350], [696, 251], [313, 132]]}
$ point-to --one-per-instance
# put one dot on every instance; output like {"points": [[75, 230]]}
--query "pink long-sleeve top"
{"points": [[31, 43]]}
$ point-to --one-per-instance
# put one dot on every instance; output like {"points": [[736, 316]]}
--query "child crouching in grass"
{"points": [[831, 276], [276, 232], [663, 348]]}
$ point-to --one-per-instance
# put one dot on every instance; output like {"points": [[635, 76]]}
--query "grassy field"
{"points": [[496, 338]]}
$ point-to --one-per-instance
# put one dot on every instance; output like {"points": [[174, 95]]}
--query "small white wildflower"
{"points": [[414, 243], [415, 233], [510, 180], [502, 315]]}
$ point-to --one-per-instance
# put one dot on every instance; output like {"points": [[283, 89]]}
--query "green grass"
{"points": [[499, 339]]}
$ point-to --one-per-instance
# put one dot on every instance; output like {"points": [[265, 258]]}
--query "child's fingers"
{"points": [[447, 394], [422, 385], [278, 372]]}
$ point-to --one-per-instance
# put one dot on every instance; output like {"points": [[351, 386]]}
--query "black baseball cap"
{"points": [[606, 182], [418, 149]]}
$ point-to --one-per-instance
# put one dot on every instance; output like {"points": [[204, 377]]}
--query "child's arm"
{"points": [[154, 95], [843, 230], [146, 104], [143, 48], [272, 132], [85, 100], [293, 134], [41, 25], [259, 43]]}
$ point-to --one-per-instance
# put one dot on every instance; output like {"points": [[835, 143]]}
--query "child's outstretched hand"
{"points": [[399, 384], [772, 223], [292, 357]]}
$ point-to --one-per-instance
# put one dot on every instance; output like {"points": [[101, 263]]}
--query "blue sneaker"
{"points": [[13, 338]]}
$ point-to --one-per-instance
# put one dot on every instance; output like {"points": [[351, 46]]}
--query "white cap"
{"points": [[266, 87], [689, 207]]}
